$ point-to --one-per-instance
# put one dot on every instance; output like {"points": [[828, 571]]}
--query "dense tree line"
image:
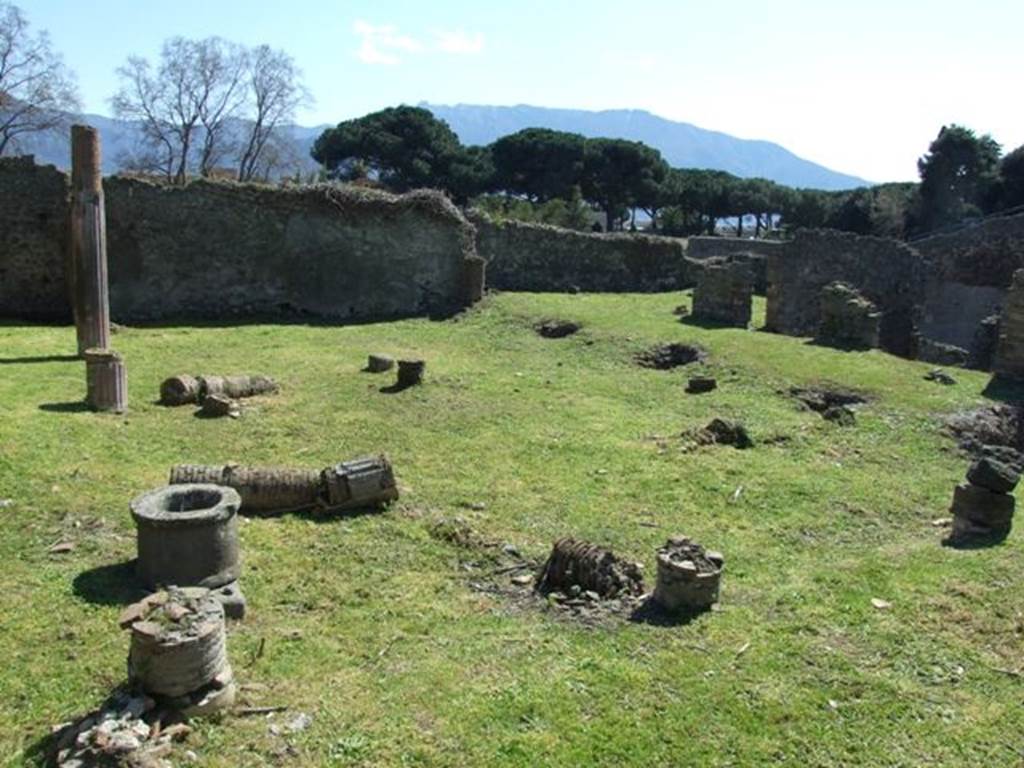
{"points": [[544, 175]]}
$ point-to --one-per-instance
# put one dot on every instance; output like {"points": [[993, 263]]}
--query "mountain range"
{"points": [[683, 145]]}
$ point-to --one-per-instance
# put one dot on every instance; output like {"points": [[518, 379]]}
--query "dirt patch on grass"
{"points": [[664, 357], [835, 404], [556, 329]]}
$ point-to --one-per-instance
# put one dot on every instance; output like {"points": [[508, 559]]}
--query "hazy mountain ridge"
{"points": [[683, 145]]}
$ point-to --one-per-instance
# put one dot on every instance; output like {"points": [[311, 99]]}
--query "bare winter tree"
{"points": [[37, 92], [275, 92], [220, 72], [208, 100]]}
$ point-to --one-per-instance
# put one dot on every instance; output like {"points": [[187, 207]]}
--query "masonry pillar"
{"points": [[89, 298]]}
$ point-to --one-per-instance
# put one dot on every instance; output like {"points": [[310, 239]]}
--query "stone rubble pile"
{"points": [[127, 730]]}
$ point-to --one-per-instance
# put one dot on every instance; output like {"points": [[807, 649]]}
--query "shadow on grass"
{"points": [[699, 322], [975, 542], [394, 389], [649, 612], [40, 359], [78, 406], [109, 584], [1004, 389]]}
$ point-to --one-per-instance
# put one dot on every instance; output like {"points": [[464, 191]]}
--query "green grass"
{"points": [[369, 622]]}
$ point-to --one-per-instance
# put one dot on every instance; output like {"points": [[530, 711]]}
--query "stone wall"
{"points": [[724, 291], [1009, 357], [33, 244], [755, 251], [222, 250], [537, 257], [970, 271], [887, 272], [219, 250]]}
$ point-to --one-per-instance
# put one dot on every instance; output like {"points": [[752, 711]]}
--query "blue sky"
{"points": [[860, 87]]}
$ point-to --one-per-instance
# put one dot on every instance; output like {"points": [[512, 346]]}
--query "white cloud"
{"points": [[385, 44], [381, 43], [458, 41]]}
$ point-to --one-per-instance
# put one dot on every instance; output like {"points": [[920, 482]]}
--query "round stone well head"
{"points": [[187, 535]]}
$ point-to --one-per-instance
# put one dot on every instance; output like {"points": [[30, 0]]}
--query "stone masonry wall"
{"points": [[724, 291], [33, 227], [222, 250], [218, 250], [970, 271], [755, 251], [887, 272], [1009, 357], [537, 257]]}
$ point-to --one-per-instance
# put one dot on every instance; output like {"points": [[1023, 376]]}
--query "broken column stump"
{"points": [[106, 380], [187, 535], [87, 256], [410, 373], [983, 506], [590, 568], [178, 651], [688, 577], [361, 482]]}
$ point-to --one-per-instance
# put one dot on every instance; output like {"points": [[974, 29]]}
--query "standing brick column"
{"points": [[89, 298]]}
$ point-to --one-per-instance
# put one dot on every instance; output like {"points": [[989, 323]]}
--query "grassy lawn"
{"points": [[370, 623]]}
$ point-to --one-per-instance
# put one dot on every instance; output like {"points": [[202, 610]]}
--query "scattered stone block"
{"points": [[939, 376], [848, 319], [979, 513], [218, 405], [556, 329], [725, 432], [379, 363], [841, 415], [700, 384], [993, 475]]}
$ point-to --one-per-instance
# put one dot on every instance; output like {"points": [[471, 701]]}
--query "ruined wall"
{"points": [[970, 271], [887, 272], [222, 250], [724, 291], [755, 251], [33, 227], [537, 257], [217, 250], [1009, 357]]}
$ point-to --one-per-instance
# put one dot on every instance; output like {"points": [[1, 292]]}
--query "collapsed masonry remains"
{"points": [[724, 291], [224, 250]]}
